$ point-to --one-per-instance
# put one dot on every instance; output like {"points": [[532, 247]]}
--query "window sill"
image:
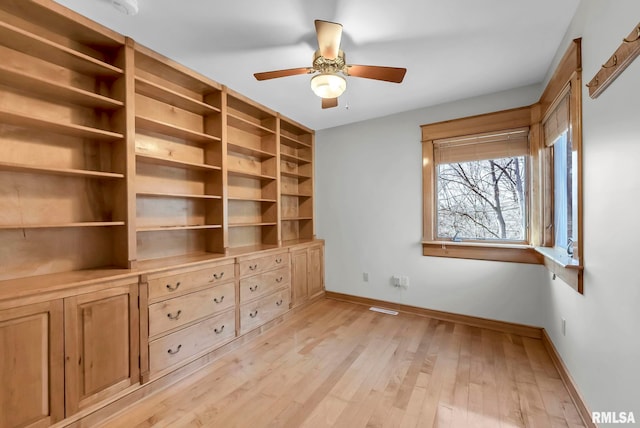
{"points": [[560, 264], [516, 253]]}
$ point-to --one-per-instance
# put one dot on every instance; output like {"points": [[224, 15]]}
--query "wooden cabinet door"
{"points": [[299, 277], [316, 271], [31, 365], [101, 345]]}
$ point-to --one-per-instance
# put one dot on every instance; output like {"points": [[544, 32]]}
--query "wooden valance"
{"points": [[616, 64]]}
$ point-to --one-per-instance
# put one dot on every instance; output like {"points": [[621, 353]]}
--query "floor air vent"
{"points": [[382, 310]]}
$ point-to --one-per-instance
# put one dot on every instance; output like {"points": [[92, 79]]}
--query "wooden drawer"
{"points": [[257, 286], [178, 282], [176, 347], [256, 313], [176, 312], [255, 265]]}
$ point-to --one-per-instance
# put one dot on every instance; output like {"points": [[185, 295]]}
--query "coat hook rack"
{"points": [[616, 64]]}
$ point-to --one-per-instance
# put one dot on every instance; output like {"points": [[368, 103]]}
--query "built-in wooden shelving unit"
{"points": [[128, 157], [63, 150], [296, 181], [179, 184], [252, 173], [133, 189]]}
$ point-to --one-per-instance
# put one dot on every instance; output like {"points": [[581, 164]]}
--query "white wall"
{"points": [[369, 210], [602, 343]]}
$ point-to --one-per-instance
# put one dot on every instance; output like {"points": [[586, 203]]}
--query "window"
{"points": [[482, 187], [476, 182], [560, 235]]}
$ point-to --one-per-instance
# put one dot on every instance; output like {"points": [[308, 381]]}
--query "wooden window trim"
{"points": [[477, 250], [568, 76]]}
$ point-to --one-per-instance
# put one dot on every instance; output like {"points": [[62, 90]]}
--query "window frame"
{"points": [[567, 77], [480, 250]]}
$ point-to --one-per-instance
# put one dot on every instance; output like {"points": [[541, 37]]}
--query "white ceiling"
{"points": [[452, 49]]}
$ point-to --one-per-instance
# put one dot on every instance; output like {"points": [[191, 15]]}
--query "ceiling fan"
{"points": [[329, 67]]}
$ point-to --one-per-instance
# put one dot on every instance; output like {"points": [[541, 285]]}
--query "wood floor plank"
{"points": [[337, 364]]}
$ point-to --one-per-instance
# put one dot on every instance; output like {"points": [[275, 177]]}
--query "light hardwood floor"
{"points": [[337, 364]]}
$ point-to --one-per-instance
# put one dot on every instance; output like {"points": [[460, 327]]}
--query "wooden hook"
{"points": [[615, 62], [637, 36], [593, 83]]}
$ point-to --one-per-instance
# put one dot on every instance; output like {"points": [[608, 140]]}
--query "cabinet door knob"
{"points": [[279, 279], [253, 288], [219, 330], [279, 302], [279, 260], [254, 314], [215, 299], [253, 267], [218, 275], [173, 288], [174, 317], [172, 352]]}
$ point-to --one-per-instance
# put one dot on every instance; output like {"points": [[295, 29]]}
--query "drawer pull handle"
{"points": [[279, 279], [219, 330], [215, 299], [279, 260], [172, 352], [176, 316], [170, 288], [254, 314], [218, 276], [253, 267], [254, 288], [279, 302]]}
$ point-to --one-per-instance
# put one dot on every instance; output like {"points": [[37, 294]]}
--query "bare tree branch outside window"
{"points": [[482, 200]]}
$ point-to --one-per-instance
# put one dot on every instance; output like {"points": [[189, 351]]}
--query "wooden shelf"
{"points": [[294, 159], [250, 175], [260, 154], [297, 218], [296, 195], [58, 128], [241, 199], [177, 195], [8, 166], [293, 175], [34, 45], [168, 96], [158, 160], [248, 126], [56, 91], [174, 131], [292, 142], [170, 228], [252, 224], [62, 225]]}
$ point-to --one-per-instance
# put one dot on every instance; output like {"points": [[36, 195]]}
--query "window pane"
{"points": [[482, 200], [564, 191]]}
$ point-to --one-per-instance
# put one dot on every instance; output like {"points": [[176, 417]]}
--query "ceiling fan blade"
{"points": [[388, 74], [329, 102], [329, 36], [282, 73]]}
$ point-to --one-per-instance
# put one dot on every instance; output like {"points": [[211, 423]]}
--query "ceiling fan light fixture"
{"points": [[328, 85]]}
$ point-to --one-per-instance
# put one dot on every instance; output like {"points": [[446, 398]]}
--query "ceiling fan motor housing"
{"points": [[329, 66]]}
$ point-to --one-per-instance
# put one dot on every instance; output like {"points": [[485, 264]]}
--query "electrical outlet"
{"points": [[365, 276], [564, 327]]}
